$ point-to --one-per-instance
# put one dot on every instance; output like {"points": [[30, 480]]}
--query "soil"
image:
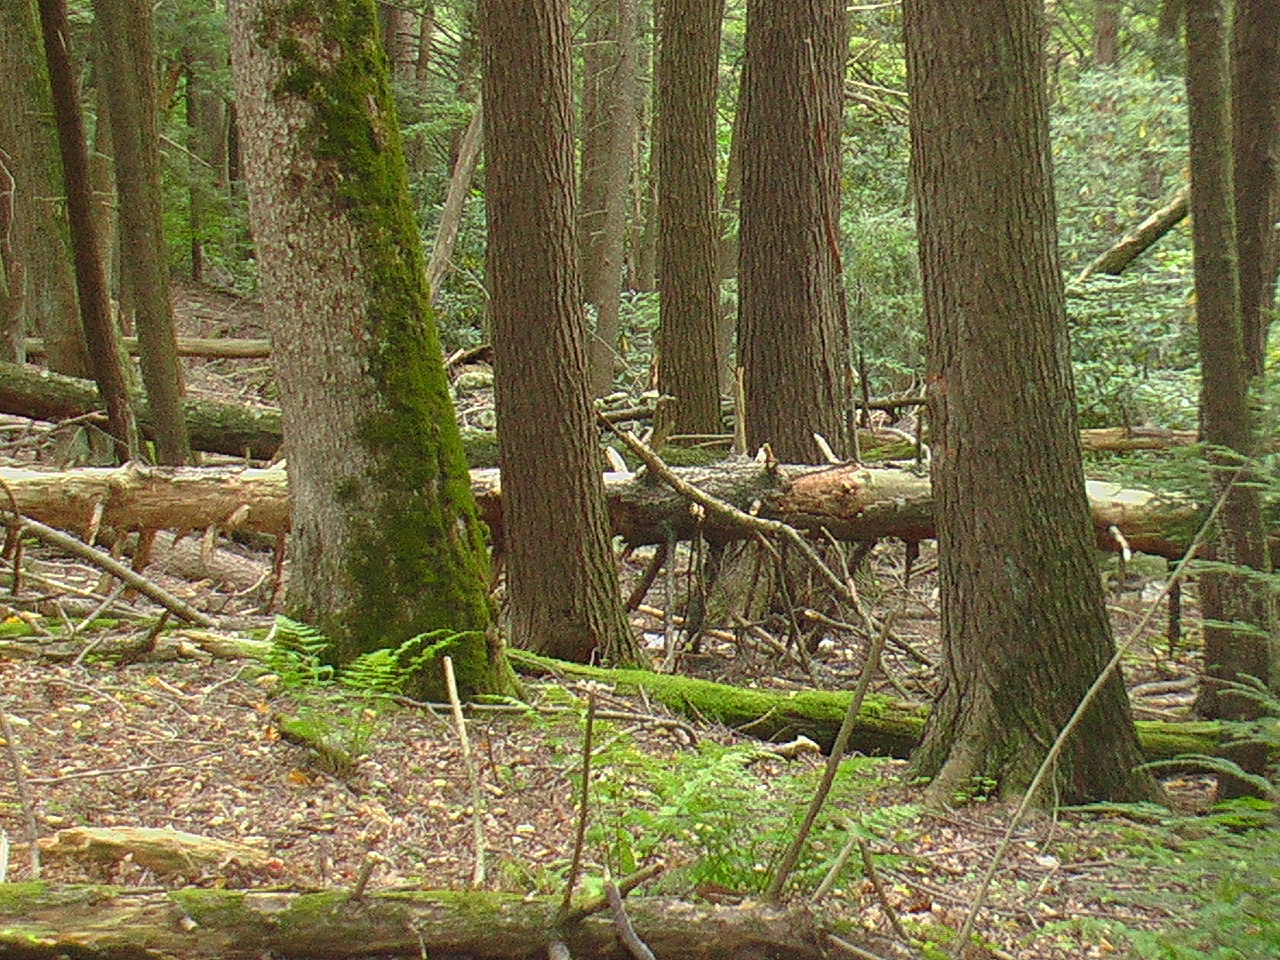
{"points": [[184, 736]]}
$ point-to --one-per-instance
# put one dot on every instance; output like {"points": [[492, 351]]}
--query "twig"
{"points": [[854, 951], [626, 932], [371, 860], [22, 785], [118, 570], [579, 838], [477, 798], [869, 868], [625, 886], [1055, 749], [792, 856]]}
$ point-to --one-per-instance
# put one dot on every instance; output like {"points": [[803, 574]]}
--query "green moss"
{"points": [[418, 561]]}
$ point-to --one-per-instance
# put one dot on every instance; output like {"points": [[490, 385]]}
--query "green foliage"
{"points": [[723, 820], [1216, 875]]}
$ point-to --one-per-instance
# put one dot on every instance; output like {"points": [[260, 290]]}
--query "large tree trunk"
{"points": [[127, 66], [562, 583], [1024, 626], [793, 336], [1226, 414], [688, 219], [387, 544], [39, 263]]}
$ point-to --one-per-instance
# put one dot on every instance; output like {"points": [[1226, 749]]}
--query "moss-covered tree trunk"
{"points": [[386, 540], [1024, 627]]}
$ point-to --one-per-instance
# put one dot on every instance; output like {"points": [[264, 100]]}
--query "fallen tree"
{"points": [[241, 431], [885, 727], [44, 922], [850, 503]]}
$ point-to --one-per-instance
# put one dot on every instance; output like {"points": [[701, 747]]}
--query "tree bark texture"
{"points": [[793, 336], [1255, 100], [1021, 606], [608, 121], [1227, 419], [100, 334], [562, 584], [688, 217], [386, 542], [127, 65], [44, 287]]}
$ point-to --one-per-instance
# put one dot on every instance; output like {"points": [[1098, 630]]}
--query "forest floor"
{"points": [[192, 740]]}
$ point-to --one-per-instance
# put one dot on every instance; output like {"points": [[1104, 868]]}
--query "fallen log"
{"points": [[850, 503], [209, 348], [41, 921], [885, 727], [236, 430], [1135, 242]]}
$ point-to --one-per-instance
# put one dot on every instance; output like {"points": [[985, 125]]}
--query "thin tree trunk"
{"points": [[464, 171], [128, 67], [91, 281]]}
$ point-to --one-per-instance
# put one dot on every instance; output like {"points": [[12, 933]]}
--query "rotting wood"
{"points": [[43, 921], [851, 503]]}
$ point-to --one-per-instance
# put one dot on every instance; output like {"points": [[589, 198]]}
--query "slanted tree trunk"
{"points": [[793, 337], [688, 218], [128, 74], [1023, 623], [562, 582], [386, 541], [1226, 415], [100, 333]]}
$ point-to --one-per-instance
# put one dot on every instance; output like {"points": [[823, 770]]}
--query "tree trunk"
{"points": [[128, 72], [40, 263], [1255, 98], [793, 337], [1024, 626], [688, 218], [608, 119], [1226, 415], [386, 541], [1137, 241], [100, 333], [562, 583], [464, 171]]}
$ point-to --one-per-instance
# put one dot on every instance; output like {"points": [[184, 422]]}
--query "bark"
{"points": [[1255, 98], [793, 337], [609, 95], [850, 503], [562, 582], [232, 429], [100, 333], [385, 538], [40, 262], [44, 922], [1024, 626], [1138, 240], [1106, 32], [127, 68], [1226, 414], [688, 218]]}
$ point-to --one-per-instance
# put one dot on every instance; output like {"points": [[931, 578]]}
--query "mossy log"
{"points": [[886, 727], [48, 922], [848, 502]]}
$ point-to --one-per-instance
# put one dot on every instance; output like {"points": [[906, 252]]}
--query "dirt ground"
{"points": [[190, 739]]}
